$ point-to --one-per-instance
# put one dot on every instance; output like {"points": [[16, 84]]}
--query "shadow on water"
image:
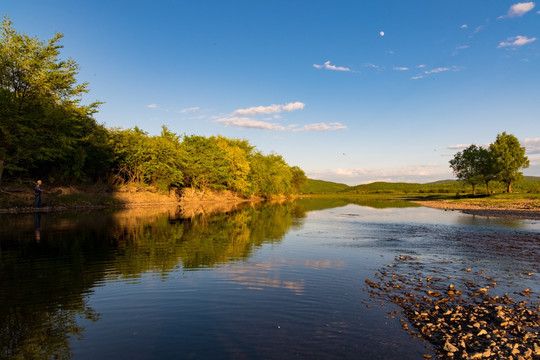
{"points": [[50, 263]]}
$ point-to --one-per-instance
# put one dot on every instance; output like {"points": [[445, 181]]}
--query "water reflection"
{"points": [[37, 225], [52, 266], [46, 277]]}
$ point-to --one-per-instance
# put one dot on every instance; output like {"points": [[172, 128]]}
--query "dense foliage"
{"points": [[501, 162], [46, 132], [215, 163], [42, 122]]}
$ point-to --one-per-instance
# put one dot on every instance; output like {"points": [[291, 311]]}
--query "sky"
{"points": [[350, 91]]}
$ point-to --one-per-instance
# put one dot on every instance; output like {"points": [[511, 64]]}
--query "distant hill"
{"points": [[405, 188], [313, 186], [448, 181]]}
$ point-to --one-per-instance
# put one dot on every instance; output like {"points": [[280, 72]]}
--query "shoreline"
{"points": [[524, 209]]}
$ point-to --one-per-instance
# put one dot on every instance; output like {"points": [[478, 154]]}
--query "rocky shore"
{"points": [[459, 317], [519, 209]]}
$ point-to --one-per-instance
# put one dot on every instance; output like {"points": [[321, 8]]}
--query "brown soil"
{"points": [[518, 209], [19, 198]]}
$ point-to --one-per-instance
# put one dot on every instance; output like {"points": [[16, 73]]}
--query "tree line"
{"points": [[46, 132], [501, 161]]}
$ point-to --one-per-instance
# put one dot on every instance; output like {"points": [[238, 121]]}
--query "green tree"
{"points": [[299, 178], [466, 166], [509, 158], [270, 175], [206, 166], [486, 168], [163, 167], [41, 117], [130, 149], [237, 153]]}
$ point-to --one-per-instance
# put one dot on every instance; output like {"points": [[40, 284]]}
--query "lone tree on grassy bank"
{"points": [[509, 158], [501, 161], [465, 165]]}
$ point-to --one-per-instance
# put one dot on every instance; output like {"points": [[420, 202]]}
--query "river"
{"points": [[266, 282]]}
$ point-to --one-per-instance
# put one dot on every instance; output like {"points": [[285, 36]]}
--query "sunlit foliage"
{"points": [[46, 132]]}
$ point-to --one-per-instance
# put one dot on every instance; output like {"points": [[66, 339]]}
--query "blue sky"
{"points": [[350, 91]]}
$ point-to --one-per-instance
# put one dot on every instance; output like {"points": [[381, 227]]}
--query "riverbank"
{"points": [[504, 208], [20, 198]]}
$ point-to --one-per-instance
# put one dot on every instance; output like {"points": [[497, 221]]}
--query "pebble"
{"points": [[464, 323]]}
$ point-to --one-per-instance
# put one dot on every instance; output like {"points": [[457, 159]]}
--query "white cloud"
{"points": [[327, 66], [373, 66], [412, 173], [381, 33], [189, 109], [421, 66], [519, 9], [433, 71], [516, 41], [458, 48], [257, 110], [400, 68], [152, 106], [246, 118], [464, 26], [322, 127], [458, 146], [271, 109], [250, 123], [532, 145], [293, 106], [437, 70]]}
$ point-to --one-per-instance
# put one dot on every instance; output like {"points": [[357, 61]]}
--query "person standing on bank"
{"points": [[37, 193]]}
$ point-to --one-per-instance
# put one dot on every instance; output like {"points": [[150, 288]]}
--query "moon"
{"points": [[382, 33]]}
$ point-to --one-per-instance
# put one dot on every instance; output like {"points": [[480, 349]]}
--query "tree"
{"points": [[485, 164], [299, 178], [206, 165], [41, 117], [466, 166], [270, 175], [509, 158], [237, 153]]}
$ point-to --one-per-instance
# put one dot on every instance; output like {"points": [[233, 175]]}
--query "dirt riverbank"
{"points": [[20, 198]]}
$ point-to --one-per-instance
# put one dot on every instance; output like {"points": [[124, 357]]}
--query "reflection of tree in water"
{"points": [[159, 244], [44, 285], [233, 236], [42, 291]]}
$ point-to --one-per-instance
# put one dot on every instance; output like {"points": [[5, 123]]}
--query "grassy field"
{"points": [[442, 194]]}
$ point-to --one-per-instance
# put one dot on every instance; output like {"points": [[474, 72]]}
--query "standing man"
{"points": [[37, 193]]}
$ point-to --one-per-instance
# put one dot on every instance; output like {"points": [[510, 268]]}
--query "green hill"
{"points": [[322, 187], [406, 188], [529, 184]]}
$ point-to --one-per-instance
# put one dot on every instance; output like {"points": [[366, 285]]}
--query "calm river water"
{"points": [[270, 282]]}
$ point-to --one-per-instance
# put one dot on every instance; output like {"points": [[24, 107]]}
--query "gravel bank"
{"points": [[522, 209]]}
